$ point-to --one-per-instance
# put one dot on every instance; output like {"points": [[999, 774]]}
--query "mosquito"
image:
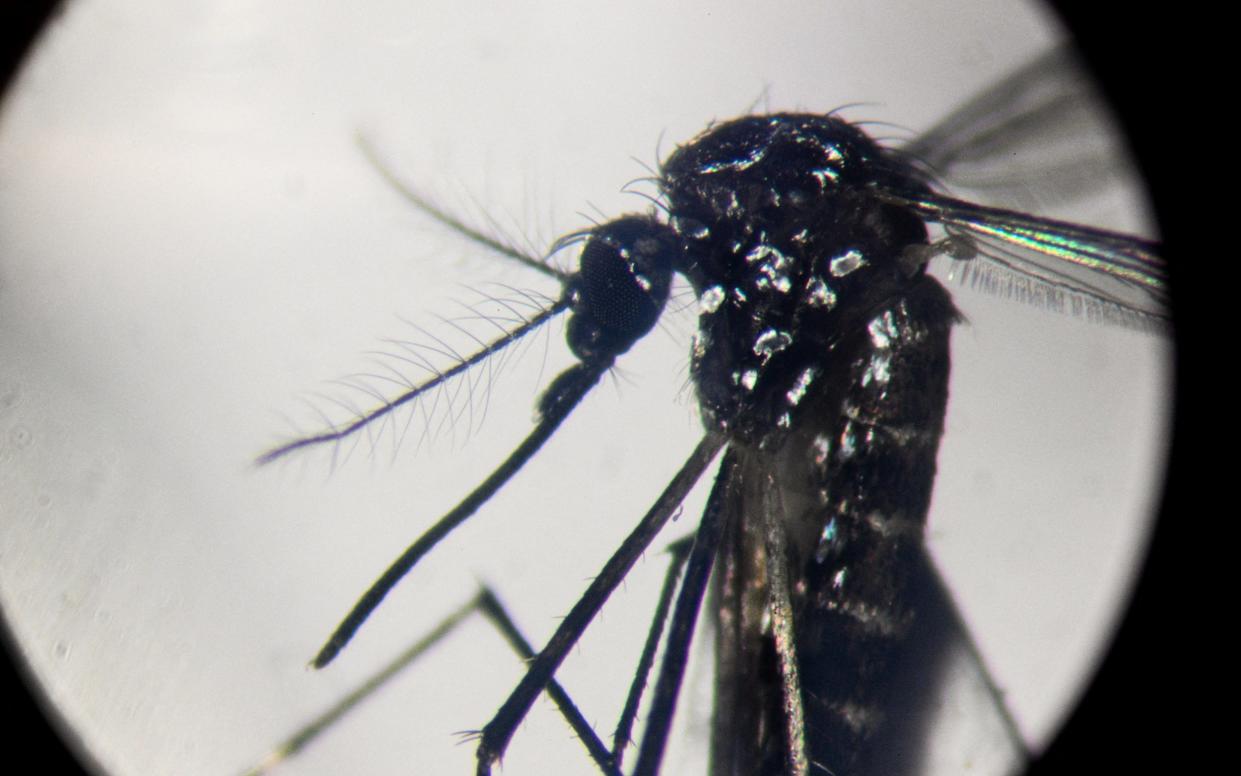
{"points": [[820, 366]]}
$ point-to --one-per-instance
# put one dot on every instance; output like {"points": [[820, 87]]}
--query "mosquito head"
{"points": [[620, 287]]}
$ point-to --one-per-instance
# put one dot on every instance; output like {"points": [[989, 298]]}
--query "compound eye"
{"points": [[621, 287]]}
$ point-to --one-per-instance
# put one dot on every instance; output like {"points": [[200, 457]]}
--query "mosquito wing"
{"points": [[1039, 139], [1042, 135], [1053, 263]]}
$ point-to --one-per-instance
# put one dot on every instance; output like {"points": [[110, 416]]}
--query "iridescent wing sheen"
{"points": [[1105, 274], [1040, 138]]}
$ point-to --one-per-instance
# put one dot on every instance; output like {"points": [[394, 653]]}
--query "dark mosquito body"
{"points": [[821, 366], [822, 352]]}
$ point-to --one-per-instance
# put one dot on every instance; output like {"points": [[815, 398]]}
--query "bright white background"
{"points": [[192, 242]]}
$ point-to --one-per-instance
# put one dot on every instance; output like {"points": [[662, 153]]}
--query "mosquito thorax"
{"points": [[789, 249], [621, 286]]}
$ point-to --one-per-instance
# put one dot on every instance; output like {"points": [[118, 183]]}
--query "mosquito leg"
{"points": [[780, 605], [320, 724], [485, 603], [624, 726], [689, 603], [495, 612], [566, 391], [495, 736]]}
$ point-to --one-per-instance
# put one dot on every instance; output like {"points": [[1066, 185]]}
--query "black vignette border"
{"points": [[1134, 712]]}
